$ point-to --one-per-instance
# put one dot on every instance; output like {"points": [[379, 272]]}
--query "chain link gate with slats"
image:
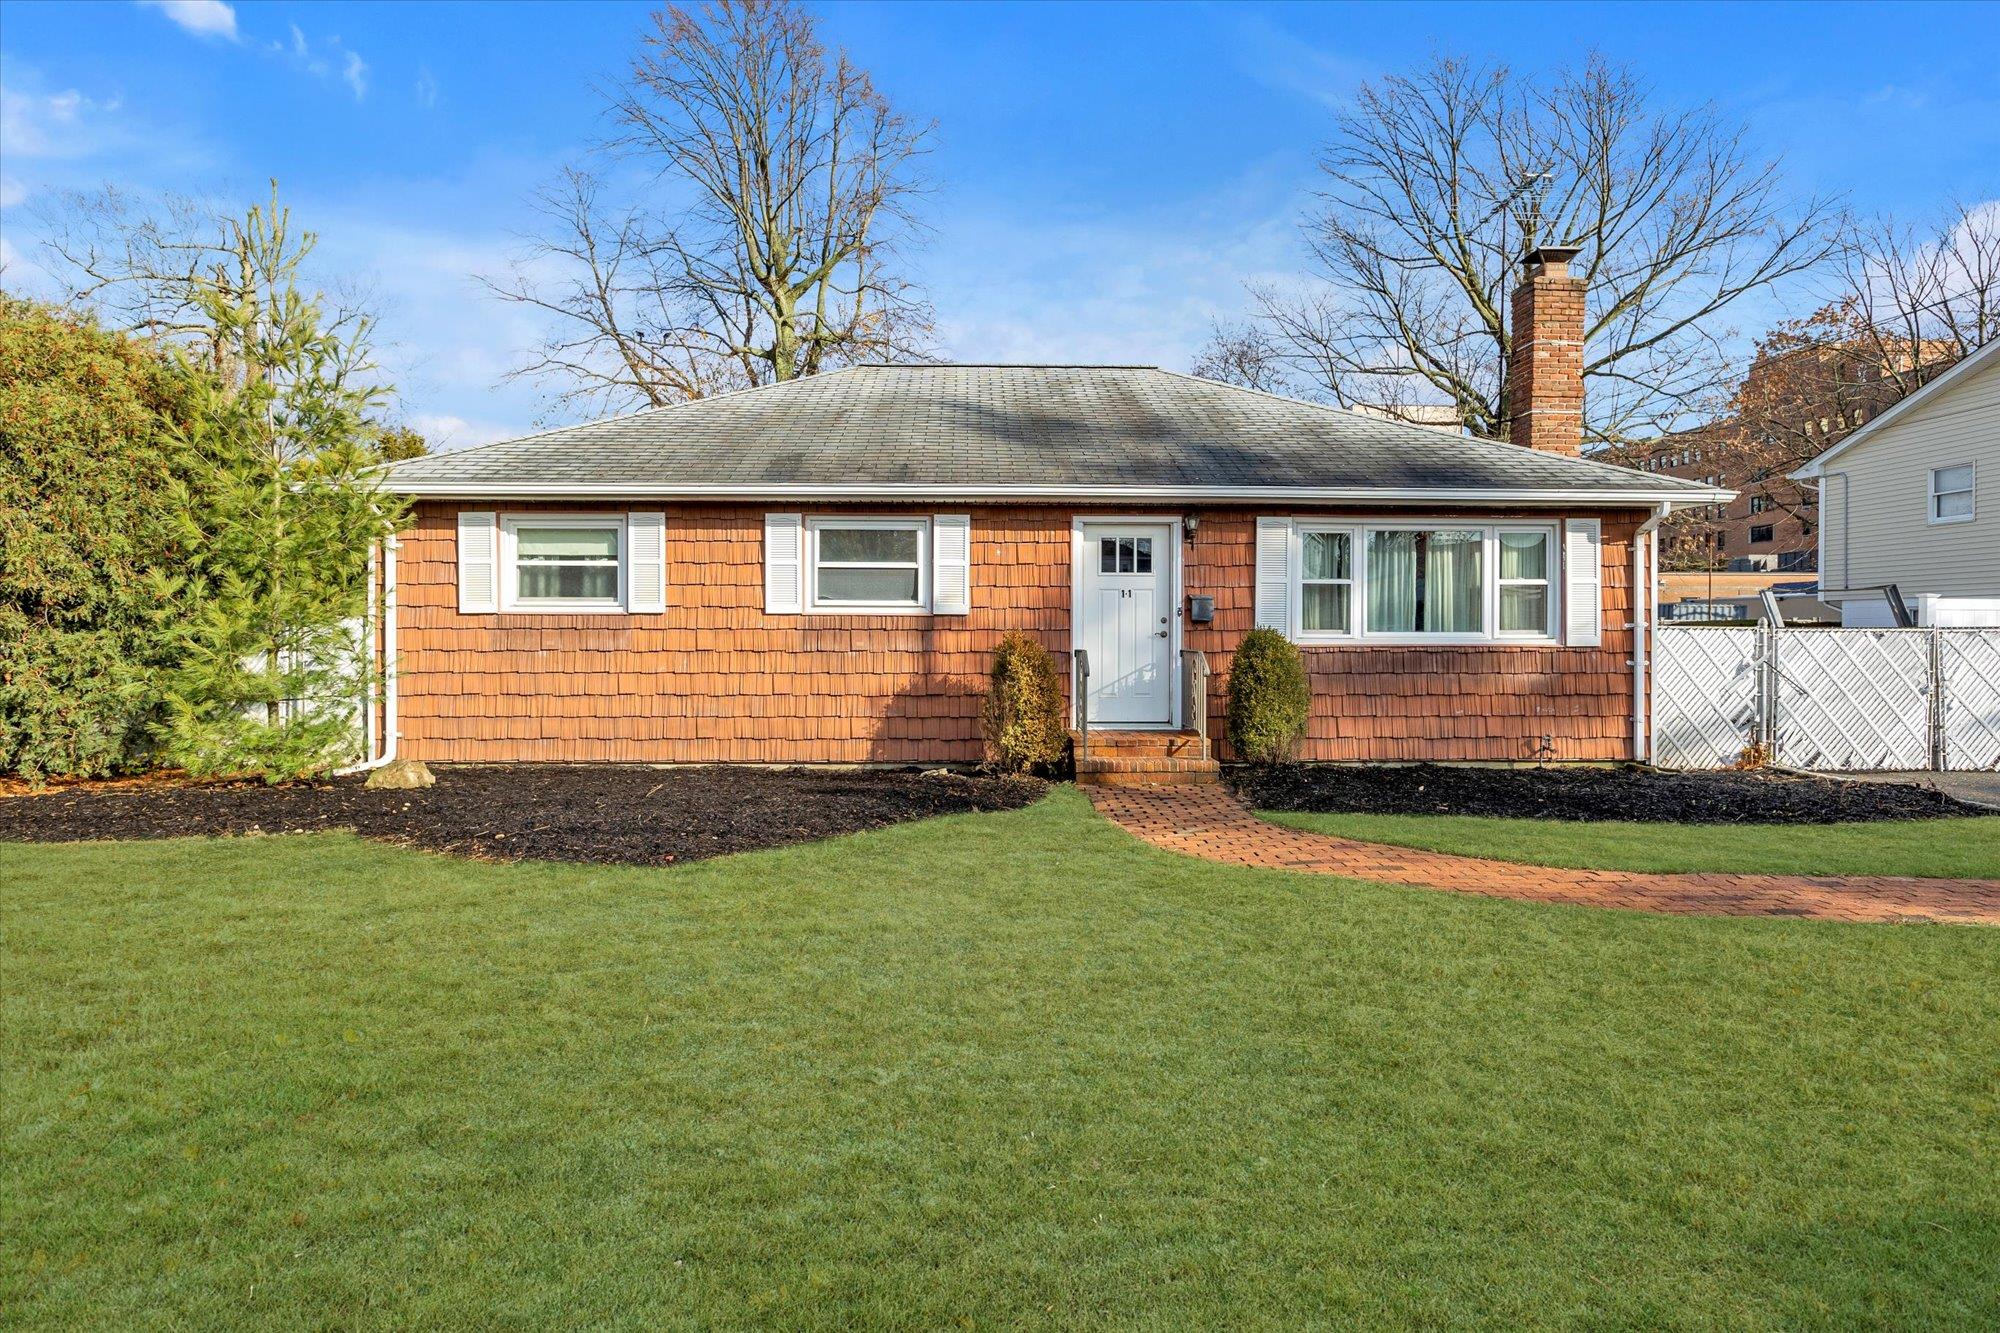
{"points": [[1834, 699]]}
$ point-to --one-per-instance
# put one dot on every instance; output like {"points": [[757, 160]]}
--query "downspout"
{"points": [[1641, 622], [389, 728]]}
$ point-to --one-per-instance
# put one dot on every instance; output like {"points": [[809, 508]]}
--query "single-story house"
{"points": [[1909, 506], [819, 570]]}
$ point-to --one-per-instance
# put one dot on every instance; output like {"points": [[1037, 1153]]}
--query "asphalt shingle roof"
{"points": [[999, 427]]}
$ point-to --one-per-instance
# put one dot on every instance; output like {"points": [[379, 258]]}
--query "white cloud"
{"points": [[320, 61], [427, 87], [36, 123], [355, 71], [203, 18], [12, 192], [444, 432]]}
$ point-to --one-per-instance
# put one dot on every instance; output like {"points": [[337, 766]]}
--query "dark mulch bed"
{"points": [[608, 814], [1637, 794]]}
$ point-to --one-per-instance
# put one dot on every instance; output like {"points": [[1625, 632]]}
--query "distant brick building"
{"points": [[1796, 402]]}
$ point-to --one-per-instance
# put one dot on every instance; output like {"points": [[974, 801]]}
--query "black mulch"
{"points": [[1637, 794], [606, 814]]}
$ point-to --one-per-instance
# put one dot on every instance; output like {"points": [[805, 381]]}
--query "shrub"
{"points": [[1025, 726], [88, 456], [1268, 698]]}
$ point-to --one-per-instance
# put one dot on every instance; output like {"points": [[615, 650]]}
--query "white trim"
{"points": [[1970, 490], [511, 601], [1358, 634], [917, 523], [1462, 495], [645, 561], [784, 564], [1078, 547], [1817, 465], [1583, 582]]}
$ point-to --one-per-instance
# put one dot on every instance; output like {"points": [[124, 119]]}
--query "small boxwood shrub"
{"points": [[1025, 726], [1268, 698]]}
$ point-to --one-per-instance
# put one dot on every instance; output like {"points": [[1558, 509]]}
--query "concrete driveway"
{"points": [[1977, 788]]}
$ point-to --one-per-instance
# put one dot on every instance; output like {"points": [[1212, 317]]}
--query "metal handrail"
{"points": [[1194, 694], [1080, 686]]}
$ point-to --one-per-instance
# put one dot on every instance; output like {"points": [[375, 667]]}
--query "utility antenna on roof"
{"points": [[1534, 186]]}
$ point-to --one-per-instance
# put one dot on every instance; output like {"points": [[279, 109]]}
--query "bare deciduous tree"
{"points": [[151, 266], [1436, 182], [781, 183]]}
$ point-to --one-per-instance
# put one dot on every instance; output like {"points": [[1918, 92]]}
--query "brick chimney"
{"points": [[1545, 368]]}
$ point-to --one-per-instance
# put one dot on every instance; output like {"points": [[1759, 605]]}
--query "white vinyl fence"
{"points": [[1833, 699]]}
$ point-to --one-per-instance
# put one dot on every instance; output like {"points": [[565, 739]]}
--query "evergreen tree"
{"points": [[270, 676]]}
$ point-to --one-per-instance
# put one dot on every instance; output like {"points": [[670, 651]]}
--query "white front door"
{"points": [[1127, 613]]}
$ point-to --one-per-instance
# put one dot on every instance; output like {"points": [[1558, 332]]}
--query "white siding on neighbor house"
{"points": [[1875, 499]]}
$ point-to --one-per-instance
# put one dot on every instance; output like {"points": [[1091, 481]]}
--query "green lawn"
{"points": [[1932, 848], [988, 1070]]}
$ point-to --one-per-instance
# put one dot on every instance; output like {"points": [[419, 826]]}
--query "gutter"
{"points": [[1470, 495], [1642, 624], [388, 616]]}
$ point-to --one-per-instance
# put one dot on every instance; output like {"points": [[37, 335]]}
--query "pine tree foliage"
{"points": [[268, 613]]}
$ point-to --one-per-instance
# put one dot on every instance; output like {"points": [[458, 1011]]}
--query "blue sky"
{"points": [[1110, 175]]}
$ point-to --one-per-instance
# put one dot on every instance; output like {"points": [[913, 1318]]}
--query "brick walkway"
{"points": [[1209, 822]]}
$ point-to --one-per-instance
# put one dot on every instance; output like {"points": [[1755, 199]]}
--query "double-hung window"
{"points": [[1527, 562], [868, 564], [564, 563], [1326, 581], [1951, 494], [1450, 582]]}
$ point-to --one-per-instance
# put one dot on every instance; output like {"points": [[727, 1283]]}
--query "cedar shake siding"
{"points": [[714, 678]]}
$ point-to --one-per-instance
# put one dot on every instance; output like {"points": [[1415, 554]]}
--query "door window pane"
{"points": [[1142, 556], [1107, 555]]}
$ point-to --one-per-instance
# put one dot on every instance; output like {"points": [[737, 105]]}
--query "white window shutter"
{"points": [[784, 564], [645, 561], [1583, 582], [951, 564], [478, 561], [1274, 574]]}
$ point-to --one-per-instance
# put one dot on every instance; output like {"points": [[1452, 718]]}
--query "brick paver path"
{"points": [[1209, 822]]}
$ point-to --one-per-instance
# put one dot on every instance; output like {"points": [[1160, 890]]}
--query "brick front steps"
{"points": [[1212, 824], [1144, 759]]}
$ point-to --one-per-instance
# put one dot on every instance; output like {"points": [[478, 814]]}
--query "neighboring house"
{"points": [[818, 571], [1912, 501]]}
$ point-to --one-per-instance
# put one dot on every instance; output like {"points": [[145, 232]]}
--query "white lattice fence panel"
{"points": [[1969, 662], [1853, 699], [1704, 695]]}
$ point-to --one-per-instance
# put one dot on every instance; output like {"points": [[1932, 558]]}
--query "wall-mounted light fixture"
{"points": [[1190, 524]]}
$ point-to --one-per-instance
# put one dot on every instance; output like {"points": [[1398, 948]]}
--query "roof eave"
{"points": [[443, 489]]}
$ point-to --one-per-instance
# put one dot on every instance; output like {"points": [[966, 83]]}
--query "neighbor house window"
{"points": [[1760, 532], [1759, 503], [868, 564], [563, 561], [1951, 494]]}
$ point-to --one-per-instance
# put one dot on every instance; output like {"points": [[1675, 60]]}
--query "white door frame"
{"points": [[1077, 543]]}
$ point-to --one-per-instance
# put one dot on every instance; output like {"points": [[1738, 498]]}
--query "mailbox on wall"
{"points": [[1201, 610]]}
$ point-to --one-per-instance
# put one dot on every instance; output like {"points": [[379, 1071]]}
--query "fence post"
{"points": [[1768, 693], [1939, 737]]}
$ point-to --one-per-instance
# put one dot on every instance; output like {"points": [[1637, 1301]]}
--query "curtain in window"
{"points": [[1392, 582], [1425, 582], [1452, 595]]}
